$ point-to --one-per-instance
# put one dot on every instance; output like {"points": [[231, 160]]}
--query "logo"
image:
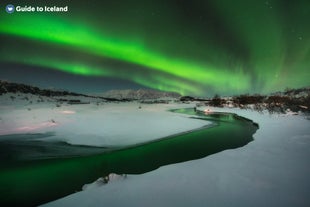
{"points": [[10, 8]]}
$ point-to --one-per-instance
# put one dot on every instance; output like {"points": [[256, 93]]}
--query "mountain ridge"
{"points": [[139, 94]]}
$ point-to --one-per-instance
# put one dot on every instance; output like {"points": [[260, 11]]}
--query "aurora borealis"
{"points": [[198, 47]]}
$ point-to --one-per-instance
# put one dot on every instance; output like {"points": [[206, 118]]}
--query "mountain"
{"points": [[112, 95], [8, 87], [139, 94]]}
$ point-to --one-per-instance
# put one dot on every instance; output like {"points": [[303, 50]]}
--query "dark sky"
{"points": [[197, 47]]}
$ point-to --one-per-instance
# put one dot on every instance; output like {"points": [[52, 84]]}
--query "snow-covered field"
{"points": [[273, 170], [104, 124]]}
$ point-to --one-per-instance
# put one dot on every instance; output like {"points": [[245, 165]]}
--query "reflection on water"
{"points": [[38, 181], [22, 147]]}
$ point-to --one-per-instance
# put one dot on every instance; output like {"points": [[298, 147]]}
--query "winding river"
{"points": [[35, 172]]}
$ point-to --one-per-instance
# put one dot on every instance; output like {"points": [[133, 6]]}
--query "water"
{"points": [[28, 182], [22, 147]]}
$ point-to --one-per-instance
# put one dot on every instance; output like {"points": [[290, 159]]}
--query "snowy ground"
{"points": [[94, 124], [273, 170]]}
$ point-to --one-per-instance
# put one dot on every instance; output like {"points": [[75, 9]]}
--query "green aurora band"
{"points": [[275, 50]]}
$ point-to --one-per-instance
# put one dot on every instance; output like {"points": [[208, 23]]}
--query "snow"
{"points": [[112, 177], [124, 124], [273, 170], [104, 124]]}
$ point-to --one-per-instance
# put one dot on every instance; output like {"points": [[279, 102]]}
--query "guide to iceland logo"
{"points": [[10, 8]]}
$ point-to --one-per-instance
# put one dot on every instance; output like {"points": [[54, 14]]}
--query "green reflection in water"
{"points": [[33, 182]]}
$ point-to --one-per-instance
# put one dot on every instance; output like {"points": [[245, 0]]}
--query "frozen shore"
{"points": [[106, 124], [273, 170]]}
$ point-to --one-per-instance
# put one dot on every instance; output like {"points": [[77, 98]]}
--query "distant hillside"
{"points": [[294, 93], [113, 95], [139, 94], [290, 100], [7, 87]]}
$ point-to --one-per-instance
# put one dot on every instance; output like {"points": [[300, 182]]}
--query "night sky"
{"points": [[193, 47]]}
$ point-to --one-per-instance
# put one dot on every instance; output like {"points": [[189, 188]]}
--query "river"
{"points": [[35, 172]]}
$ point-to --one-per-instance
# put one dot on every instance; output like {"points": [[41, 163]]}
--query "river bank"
{"points": [[270, 171]]}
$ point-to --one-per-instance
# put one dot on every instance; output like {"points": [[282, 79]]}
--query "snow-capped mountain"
{"points": [[139, 94]]}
